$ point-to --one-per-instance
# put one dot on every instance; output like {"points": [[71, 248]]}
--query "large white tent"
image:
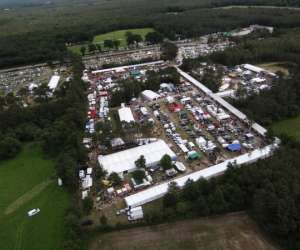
{"points": [[159, 191], [124, 161], [125, 114], [53, 82], [150, 95]]}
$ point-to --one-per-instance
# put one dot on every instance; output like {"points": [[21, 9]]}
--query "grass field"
{"points": [[282, 67], [25, 184], [115, 35], [290, 127], [229, 232]]}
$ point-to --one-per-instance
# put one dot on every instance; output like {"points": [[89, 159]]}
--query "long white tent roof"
{"points": [[126, 67], [53, 82], [258, 128], [150, 95], [253, 68], [125, 160], [159, 191]]}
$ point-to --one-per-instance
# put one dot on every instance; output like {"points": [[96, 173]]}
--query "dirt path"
{"points": [[229, 232], [26, 197]]}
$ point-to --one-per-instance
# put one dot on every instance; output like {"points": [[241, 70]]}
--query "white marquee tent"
{"points": [[53, 82], [123, 161]]}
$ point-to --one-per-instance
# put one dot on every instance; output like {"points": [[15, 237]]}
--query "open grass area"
{"points": [[229, 232], [115, 35], [25, 184], [290, 127], [275, 67]]}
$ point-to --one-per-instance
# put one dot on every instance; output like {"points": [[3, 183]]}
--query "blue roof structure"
{"points": [[234, 147]]}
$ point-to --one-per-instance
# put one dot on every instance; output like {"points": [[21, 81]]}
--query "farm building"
{"points": [[125, 114], [150, 95], [124, 161]]}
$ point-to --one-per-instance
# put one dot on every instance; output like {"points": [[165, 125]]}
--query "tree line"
{"points": [[50, 44]]}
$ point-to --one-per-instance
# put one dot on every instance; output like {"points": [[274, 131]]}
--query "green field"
{"points": [[290, 127], [25, 184], [115, 35]]}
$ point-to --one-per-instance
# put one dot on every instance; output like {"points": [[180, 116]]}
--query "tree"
{"points": [[137, 38], [201, 206], [103, 220], [9, 147], [212, 79], [83, 50], [87, 205], [108, 44], [172, 197], [115, 178], [190, 190], [129, 38], [138, 175], [166, 162], [217, 202], [116, 44], [154, 37], [27, 131], [169, 51], [133, 38], [92, 47], [66, 169], [100, 172], [99, 48], [140, 162]]}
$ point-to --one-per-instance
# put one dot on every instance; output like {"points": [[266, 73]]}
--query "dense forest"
{"points": [[44, 36]]}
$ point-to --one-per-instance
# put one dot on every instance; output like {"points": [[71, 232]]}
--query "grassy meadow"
{"points": [[115, 35], [290, 127], [25, 183]]}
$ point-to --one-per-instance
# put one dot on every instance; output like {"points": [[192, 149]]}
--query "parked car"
{"points": [[33, 212]]}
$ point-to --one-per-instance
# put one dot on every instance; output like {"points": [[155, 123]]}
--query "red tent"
{"points": [[175, 107]]}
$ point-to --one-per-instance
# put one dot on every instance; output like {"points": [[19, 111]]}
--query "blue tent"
{"points": [[234, 147]]}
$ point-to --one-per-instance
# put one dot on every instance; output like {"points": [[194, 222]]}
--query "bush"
{"points": [[9, 147], [139, 175], [87, 205]]}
